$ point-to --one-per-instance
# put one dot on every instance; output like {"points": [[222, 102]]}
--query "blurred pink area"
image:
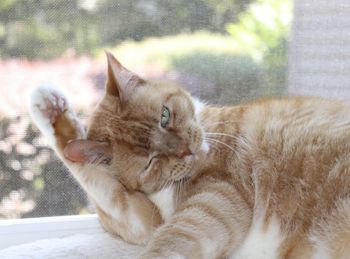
{"points": [[82, 79], [79, 77]]}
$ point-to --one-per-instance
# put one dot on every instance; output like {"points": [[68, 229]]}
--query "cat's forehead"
{"points": [[159, 93], [145, 105], [181, 103]]}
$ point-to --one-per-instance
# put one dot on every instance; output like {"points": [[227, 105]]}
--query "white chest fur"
{"points": [[261, 242], [164, 200]]}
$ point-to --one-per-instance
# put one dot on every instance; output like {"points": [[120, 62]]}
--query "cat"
{"points": [[129, 214], [266, 179]]}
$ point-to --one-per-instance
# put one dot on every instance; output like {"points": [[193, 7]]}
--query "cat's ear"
{"points": [[121, 82], [88, 151]]}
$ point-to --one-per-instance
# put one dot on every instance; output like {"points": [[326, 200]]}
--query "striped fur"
{"points": [[284, 169], [275, 182]]}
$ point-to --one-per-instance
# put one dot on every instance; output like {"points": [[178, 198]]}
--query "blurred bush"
{"points": [[211, 66], [263, 31], [234, 78], [33, 41], [160, 51], [46, 28]]}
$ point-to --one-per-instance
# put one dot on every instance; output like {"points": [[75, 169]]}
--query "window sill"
{"points": [[21, 231]]}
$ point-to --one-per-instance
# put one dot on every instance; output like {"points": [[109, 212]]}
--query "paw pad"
{"points": [[48, 103], [46, 106], [53, 106]]}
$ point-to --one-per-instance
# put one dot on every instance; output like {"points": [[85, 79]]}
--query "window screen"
{"points": [[221, 51]]}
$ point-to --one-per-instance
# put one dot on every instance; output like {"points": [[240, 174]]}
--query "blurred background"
{"points": [[223, 51]]}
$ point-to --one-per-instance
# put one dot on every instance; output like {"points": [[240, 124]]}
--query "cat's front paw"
{"points": [[52, 105], [47, 106]]}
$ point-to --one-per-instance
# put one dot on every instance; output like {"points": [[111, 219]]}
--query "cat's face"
{"points": [[152, 128]]}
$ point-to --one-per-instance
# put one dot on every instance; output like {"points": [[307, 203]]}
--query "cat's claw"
{"points": [[54, 106], [46, 105]]}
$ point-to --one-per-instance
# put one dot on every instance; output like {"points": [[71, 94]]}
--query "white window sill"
{"points": [[21, 231]]}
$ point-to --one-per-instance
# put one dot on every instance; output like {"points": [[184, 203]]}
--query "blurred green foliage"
{"points": [[161, 51], [253, 62], [237, 77], [211, 66], [262, 31], [46, 28]]}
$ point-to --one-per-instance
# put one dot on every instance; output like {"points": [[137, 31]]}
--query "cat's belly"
{"points": [[262, 241]]}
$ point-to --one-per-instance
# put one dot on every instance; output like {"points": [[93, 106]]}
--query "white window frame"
{"points": [[21, 231]]}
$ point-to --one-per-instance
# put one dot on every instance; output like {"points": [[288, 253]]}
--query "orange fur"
{"points": [[285, 161]]}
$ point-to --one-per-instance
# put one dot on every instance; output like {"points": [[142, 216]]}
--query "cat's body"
{"points": [[274, 183], [279, 189], [290, 163]]}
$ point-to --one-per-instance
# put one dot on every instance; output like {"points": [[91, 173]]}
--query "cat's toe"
{"points": [[46, 105], [49, 103]]}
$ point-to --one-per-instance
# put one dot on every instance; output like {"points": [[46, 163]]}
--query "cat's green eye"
{"points": [[165, 117]]}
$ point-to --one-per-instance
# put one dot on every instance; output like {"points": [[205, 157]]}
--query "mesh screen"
{"points": [[33, 181], [221, 51]]}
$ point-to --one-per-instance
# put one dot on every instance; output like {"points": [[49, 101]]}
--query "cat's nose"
{"points": [[183, 151]]}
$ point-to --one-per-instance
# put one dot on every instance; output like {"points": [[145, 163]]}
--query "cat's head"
{"points": [[151, 128]]}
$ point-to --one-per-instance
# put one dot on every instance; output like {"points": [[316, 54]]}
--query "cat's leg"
{"points": [[331, 236], [129, 214], [210, 223]]}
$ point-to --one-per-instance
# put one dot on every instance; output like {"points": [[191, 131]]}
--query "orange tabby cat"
{"points": [[268, 179]]}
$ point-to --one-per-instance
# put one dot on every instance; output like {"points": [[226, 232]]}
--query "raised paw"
{"points": [[53, 106], [48, 107]]}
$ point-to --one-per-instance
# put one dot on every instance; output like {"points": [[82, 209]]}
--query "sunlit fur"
{"points": [[275, 182]]}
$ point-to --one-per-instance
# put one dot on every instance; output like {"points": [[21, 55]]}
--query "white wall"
{"points": [[320, 48]]}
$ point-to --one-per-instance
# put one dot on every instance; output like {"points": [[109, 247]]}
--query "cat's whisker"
{"points": [[177, 193], [165, 184], [212, 143], [180, 187], [222, 143], [220, 134], [219, 122], [213, 146]]}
